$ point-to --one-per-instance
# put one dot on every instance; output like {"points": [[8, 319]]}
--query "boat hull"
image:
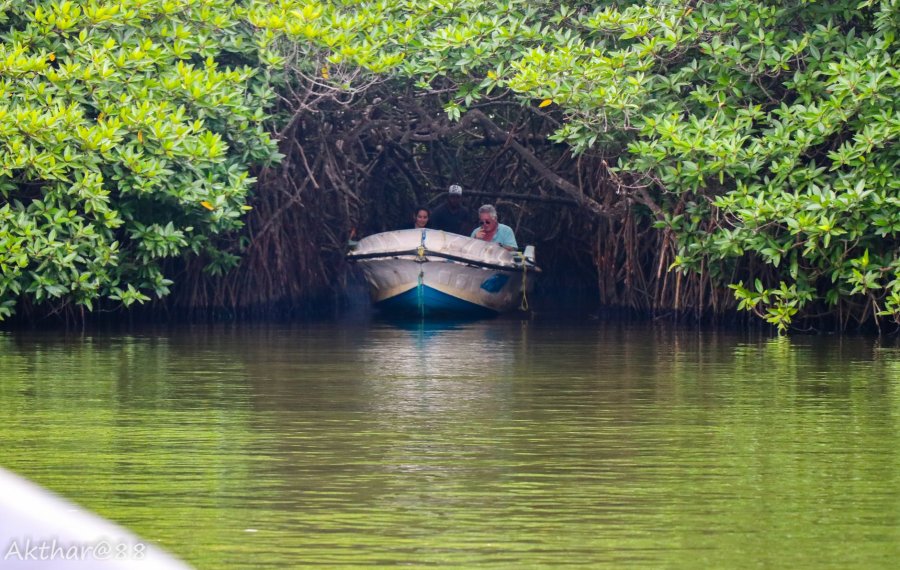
{"points": [[442, 275], [425, 301]]}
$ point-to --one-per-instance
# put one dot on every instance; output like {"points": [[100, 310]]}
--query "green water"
{"points": [[487, 445]]}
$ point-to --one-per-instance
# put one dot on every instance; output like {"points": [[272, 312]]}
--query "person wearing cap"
{"points": [[490, 229], [451, 216]]}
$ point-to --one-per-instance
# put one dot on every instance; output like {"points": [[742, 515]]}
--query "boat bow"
{"points": [[431, 272]]}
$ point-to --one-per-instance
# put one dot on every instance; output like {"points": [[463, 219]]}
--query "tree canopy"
{"points": [[127, 129], [758, 138]]}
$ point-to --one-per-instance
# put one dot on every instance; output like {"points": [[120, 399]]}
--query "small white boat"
{"points": [[435, 273]]}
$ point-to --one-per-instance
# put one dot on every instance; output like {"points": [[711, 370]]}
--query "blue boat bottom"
{"points": [[425, 301]]}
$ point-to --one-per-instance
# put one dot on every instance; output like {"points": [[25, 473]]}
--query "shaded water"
{"points": [[494, 444]]}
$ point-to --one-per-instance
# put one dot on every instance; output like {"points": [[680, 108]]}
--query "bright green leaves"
{"points": [[467, 47], [765, 131], [157, 241], [116, 120], [778, 305], [783, 119]]}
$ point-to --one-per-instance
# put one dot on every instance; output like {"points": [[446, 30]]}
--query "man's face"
{"points": [[454, 199], [488, 223]]}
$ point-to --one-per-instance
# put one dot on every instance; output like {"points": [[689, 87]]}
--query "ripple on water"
{"points": [[490, 445]]}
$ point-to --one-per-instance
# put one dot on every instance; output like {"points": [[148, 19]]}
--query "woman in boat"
{"points": [[420, 220]]}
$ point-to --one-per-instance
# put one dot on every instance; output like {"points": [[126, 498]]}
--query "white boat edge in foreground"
{"points": [[43, 531]]}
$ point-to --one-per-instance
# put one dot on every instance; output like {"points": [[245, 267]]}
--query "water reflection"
{"points": [[488, 444], [434, 368]]}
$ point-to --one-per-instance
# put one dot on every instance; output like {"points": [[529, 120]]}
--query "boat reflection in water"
{"points": [[428, 367], [432, 273]]}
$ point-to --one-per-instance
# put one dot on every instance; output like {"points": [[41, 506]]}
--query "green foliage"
{"points": [[127, 129], [773, 125], [464, 48], [764, 133], [777, 306], [767, 131], [786, 141]]}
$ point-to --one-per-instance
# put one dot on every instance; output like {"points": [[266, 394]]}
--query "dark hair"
{"points": [[419, 209]]}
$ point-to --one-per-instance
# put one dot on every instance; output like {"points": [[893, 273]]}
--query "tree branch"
{"points": [[495, 132]]}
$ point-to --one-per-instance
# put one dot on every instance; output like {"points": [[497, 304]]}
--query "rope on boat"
{"points": [[420, 293], [420, 251], [420, 290], [523, 306]]}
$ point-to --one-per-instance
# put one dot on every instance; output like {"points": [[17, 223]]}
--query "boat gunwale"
{"points": [[422, 258]]}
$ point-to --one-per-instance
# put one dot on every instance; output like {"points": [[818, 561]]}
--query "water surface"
{"points": [[496, 444]]}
